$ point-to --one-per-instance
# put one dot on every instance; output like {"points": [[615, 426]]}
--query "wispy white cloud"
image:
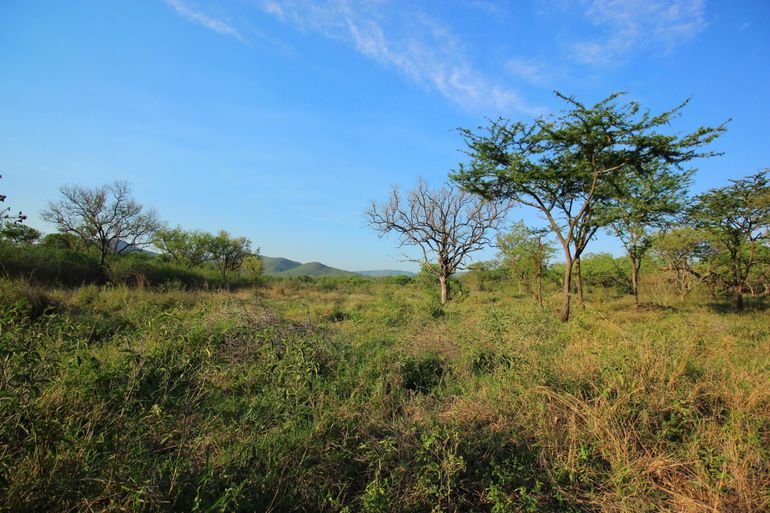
{"points": [[529, 70], [657, 25], [416, 45], [217, 25]]}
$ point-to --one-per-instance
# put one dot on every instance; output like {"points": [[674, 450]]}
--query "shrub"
{"points": [[423, 373]]}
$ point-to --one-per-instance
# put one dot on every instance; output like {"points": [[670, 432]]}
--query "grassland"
{"points": [[358, 395]]}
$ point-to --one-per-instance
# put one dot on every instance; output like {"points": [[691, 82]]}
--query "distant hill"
{"points": [[275, 265], [385, 272], [279, 266], [314, 269], [124, 247]]}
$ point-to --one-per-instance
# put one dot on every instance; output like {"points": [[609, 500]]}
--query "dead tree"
{"points": [[445, 224]]}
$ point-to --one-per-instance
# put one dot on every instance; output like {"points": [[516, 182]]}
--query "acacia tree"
{"points": [[569, 166], [445, 224], [187, 248], [738, 216], [688, 255], [253, 268], [19, 233], [228, 253], [650, 201], [528, 251], [104, 217]]}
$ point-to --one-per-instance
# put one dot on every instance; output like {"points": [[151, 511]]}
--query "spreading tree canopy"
{"points": [[104, 217], [737, 216], [569, 166], [649, 202]]}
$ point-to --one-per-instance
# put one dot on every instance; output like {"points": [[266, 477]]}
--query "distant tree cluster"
{"points": [[609, 166], [107, 221], [196, 248]]}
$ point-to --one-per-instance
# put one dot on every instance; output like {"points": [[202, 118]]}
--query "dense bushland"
{"points": [[363, 395]]}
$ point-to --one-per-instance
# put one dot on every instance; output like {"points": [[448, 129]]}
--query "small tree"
{"points": [[738, 216], [105, 217], [445, 224], [19, 233], [187, 248], [688, 255], [527, 251], [227, 253], [570, 166], [66, 241], [604, 271], [650, 201], [253, 268]]}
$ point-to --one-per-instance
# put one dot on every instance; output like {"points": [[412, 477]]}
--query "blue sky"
{"points": [[282, 120]]}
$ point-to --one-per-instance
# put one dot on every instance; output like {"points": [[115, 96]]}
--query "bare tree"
{"points": [[105, 217], [445, 224]]}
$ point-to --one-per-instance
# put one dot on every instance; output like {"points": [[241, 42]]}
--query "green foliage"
{"points": [[423, 373], [253, 269], [737, 216], [43, 265], [190, 249], [19, 233], [66, 241], [570, 167], [398, 279], [346, 394], [688, 254], [602, 270]]}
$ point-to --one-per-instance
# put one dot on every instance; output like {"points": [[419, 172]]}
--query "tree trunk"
{"points": [[103, 254], [738, 281], [681, 284], [566, 289], [539, 286], [579, 282], [444, 282], [635, 280]]}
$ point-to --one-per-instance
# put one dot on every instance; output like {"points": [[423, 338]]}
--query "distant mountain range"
{"points": [[385, 272], [278, 266]]}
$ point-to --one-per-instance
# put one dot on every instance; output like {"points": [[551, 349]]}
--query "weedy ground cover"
{"points": [[369, 396]]}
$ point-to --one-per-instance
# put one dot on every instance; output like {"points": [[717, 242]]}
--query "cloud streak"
{"points": [[218, 26], [417, 46], [657, 25]]}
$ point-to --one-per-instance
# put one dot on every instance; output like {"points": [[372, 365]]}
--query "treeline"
{"points": [[717, 240], [104, 236], [608, 167]]}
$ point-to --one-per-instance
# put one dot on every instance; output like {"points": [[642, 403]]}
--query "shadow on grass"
{"points": [[750, 305]]}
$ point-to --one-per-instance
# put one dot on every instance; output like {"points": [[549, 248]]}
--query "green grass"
{"points": [[359, 395]]}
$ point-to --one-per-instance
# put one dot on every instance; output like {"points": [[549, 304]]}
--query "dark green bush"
{"points": [[423, 373], [49, 265]]}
